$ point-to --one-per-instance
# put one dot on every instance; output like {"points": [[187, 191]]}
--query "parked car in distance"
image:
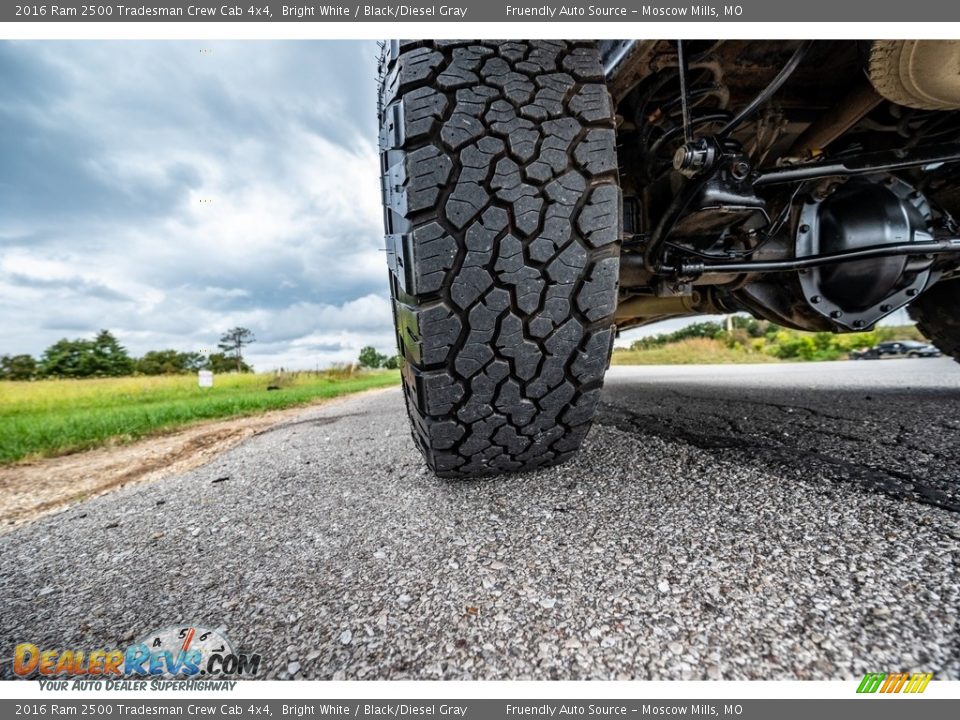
{"points": [[896, 348]]}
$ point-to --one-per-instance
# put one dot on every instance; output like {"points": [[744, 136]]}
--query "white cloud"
{"points": [[180, 195]]}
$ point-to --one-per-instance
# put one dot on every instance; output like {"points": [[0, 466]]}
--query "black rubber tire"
{"points": [[937, 314], [502, 219]]}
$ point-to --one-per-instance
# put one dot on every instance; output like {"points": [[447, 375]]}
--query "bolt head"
{"points": [[740, 169], [816, 299]]}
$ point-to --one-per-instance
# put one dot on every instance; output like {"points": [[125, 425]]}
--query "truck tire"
{"points": [[502, 222], [937, 314]]}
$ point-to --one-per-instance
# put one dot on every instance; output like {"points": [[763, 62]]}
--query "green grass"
{"points": [[692, 351], [55, 417]]}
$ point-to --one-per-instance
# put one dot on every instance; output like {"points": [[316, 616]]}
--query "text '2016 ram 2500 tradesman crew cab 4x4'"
{"points": [[540, 196]]}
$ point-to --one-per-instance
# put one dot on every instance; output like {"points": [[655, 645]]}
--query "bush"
{"points": [[750, 338], [17, 367], [370, 358], [221, 363], [101, 357], [708, 330], [169, 362]]}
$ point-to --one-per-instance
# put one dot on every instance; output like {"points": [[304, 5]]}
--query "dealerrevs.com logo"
{"points": [[176, 651], [887, 683]]}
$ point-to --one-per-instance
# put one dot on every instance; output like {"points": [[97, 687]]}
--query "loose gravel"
{"points": [[660, 552]]}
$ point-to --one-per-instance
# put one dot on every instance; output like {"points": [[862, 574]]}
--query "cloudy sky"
{"points": [[170, 190]]}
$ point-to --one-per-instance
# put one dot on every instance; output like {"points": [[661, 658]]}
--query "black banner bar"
{"points": [[481, 11]]}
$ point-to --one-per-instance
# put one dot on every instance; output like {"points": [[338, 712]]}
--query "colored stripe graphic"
{"points": [[870, 682], [918, 682], [889, 683]]}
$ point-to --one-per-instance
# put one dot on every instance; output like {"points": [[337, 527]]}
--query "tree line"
{"points": [[760, 336], [104, 356]]}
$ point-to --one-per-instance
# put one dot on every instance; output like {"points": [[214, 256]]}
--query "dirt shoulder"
{"points": [[33, 488]]}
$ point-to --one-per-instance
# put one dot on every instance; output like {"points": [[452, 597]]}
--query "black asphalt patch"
{"points": [[901, 444]]}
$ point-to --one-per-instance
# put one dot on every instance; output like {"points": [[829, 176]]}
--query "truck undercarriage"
{"points": [[774, 178]]}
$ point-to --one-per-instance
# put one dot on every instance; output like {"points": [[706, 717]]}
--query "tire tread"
{"points": [[502, 221]]}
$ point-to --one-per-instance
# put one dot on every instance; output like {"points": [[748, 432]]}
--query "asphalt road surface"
{"points": [[738, 522]]}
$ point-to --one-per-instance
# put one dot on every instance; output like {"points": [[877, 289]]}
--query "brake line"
{"points": [[768, 92]]}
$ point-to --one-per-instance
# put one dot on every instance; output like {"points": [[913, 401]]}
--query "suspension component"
{"points": [[863, 164], [695, 157]]}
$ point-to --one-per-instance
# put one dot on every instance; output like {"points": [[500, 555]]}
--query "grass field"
{"points": [[692, 351], [54, 417]]}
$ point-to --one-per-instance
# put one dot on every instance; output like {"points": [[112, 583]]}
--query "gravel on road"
{"points": [[722, 522]]}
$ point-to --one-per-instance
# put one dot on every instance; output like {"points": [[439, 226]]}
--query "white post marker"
{"points": [[205, 378]]}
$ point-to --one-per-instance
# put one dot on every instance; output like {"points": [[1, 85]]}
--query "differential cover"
{"points": [[861, 213]]}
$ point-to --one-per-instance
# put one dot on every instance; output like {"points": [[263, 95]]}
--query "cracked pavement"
{"points": [[738, 522]]}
